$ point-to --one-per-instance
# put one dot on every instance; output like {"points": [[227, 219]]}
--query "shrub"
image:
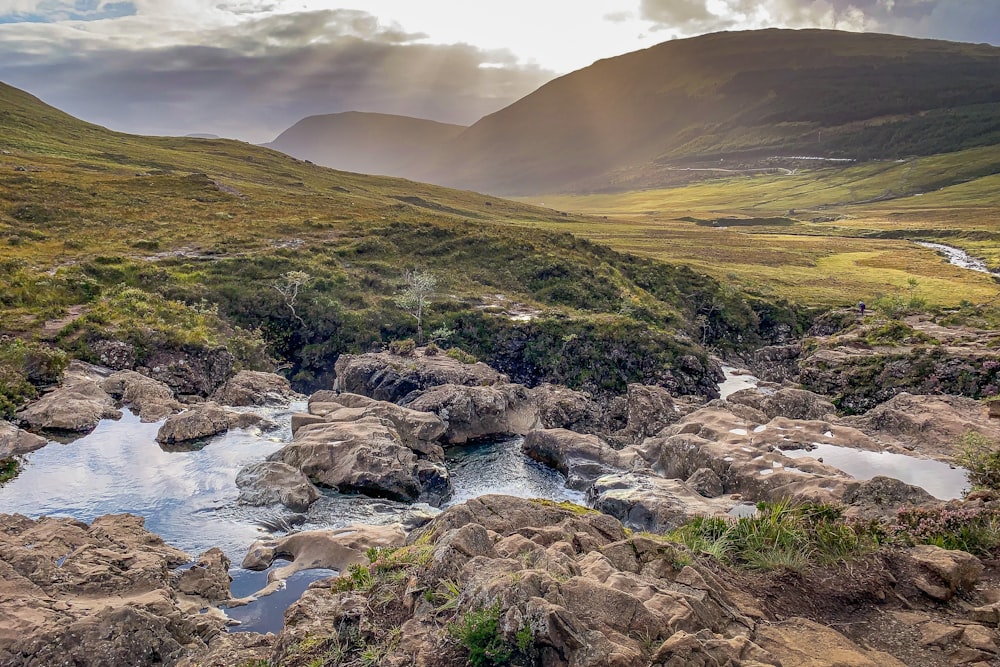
{"points": [[8, 470], [972, 529], [25, 366], [460, 355], [432, 350], [403, 348], [981, 457], [479, 632]]}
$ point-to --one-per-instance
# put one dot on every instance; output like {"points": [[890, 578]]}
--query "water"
{"points": [[937, 478], [960, 258], [734, 383], [269, 615]]}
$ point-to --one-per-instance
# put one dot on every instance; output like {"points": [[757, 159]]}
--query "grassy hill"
{"points": [[369, 143], [732, 101], [178, 243]]}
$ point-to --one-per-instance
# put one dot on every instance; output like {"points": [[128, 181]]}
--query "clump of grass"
{"points": [[780, 535], [981, 457], [25, 366], [461, 356], [8, 470], [478, 631], [404, 348]]}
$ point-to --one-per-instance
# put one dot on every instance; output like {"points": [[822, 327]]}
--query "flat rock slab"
{"points": [[77, 407]]}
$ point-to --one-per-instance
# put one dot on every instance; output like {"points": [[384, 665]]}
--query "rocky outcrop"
{"points": [[479, 412], [418, 430], [77, 407], [208, 577], [561, 407], [786, 402], [15, 442], [148, 398], [101, 595], [644, 411], [270, 482], [651, 503], [803, 643], [777, 363], [202, 421], [248, 388], [581, 458], [390, 377], [189, 371], [945, 571]]}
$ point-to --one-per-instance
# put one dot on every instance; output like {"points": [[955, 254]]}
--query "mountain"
{"points": [[731, 101], [369, 143]]}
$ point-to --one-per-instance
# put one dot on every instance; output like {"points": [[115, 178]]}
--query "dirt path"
{"points": [[52, 328]]}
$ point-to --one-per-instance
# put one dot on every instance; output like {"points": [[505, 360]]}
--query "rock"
{"points": [[883, 496], [560, 407], [956, 570], [478, 412], [150, 399], [647, 410], [581, 458], [327, 549], [650, 503], [76, 407], [418, 430], [938, 634], [799, 642], [115, 354], [208, 577], [250, 420], [248, 388], [365, 456], [189, 371], [786, 402], [988, 614], [980, 638], [389, 377], [270, 482], [15, 442], [706, 482], [94, 596], [777, 363], [202, 421]]}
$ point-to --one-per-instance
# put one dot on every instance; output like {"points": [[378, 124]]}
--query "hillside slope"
{"points": [[369, 143], [732, 101]]}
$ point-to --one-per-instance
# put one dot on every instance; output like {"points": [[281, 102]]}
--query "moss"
{"points": [[565, 505]]}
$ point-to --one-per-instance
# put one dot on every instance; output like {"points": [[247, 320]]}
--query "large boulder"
{"points": [[189, 371], [208, 577], [150, 399], [76, 407], [101, 595], [390, 377], [248, 388], [786, 402], [561, 407], [202, 421], [15, 442], [270, 482], [479, 412], [418, 430], [646, 410], [366, 456], [652, 503], [945, 571], [581, 458]]}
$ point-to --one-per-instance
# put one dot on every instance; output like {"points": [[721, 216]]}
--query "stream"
{"points": [[959, 257]]}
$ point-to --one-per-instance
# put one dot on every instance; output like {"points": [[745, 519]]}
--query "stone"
{"points": [[786, 402], [202, 421], [581, 458], [189, 371], [799, 642], [470, 413], [249, 388], [389, 377], [418, 430], [208, 577], [956, 570], [647, 410], [76, 407], [271, 482], [148, 398], [561, 407], [938, 634], [652, 503], [706, 482], [15, 442], [980, 638]]}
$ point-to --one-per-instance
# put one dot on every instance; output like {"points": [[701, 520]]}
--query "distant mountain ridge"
{"points": [[726, 101], [369, 143]]}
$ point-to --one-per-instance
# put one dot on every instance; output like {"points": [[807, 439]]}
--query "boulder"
{"points": [[208, 577], [799, 642], [561, 407], [390, 377], [647, 410], [945, 571], [202, 421], [786, 402], [98, 595], [189, 371], [148, 398], [777, 363], [270, 482], [15, 442], [365, 456], [651, 503], [706, 482], [479, 412], [581, 458], [76, 407], [418, 430], [248, 388]]}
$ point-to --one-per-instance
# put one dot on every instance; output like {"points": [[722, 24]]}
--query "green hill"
{"points": [[369, 143], [179, 244], [732, 101]]}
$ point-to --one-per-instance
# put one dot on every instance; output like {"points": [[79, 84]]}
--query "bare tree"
{"points": [[289, 286], [415, 297]]}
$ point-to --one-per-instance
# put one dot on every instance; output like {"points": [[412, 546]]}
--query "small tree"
{"points": [[415, 297], [289, 286]]}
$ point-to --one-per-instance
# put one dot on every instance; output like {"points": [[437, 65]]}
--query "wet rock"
{"points": [[389, 377], [15, 442], [581, 458], [208, 577], [561, 407], [478, 412], [189, 371], [76, 407], [202, 421], [270, 482], [95, 596], [250, 420], [787, 402], [150, 399], [651, 503], [248, 388], [949, 571]]}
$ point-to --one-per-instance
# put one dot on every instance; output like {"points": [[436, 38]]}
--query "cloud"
{"points": [[261, 75], [960, 20], [50, 11]]}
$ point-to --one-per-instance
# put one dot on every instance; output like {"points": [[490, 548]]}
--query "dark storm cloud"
{"points": [[261, 77], [960, 20]]}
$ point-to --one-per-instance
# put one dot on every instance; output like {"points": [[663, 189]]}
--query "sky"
{"points": [[248, 69]]}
